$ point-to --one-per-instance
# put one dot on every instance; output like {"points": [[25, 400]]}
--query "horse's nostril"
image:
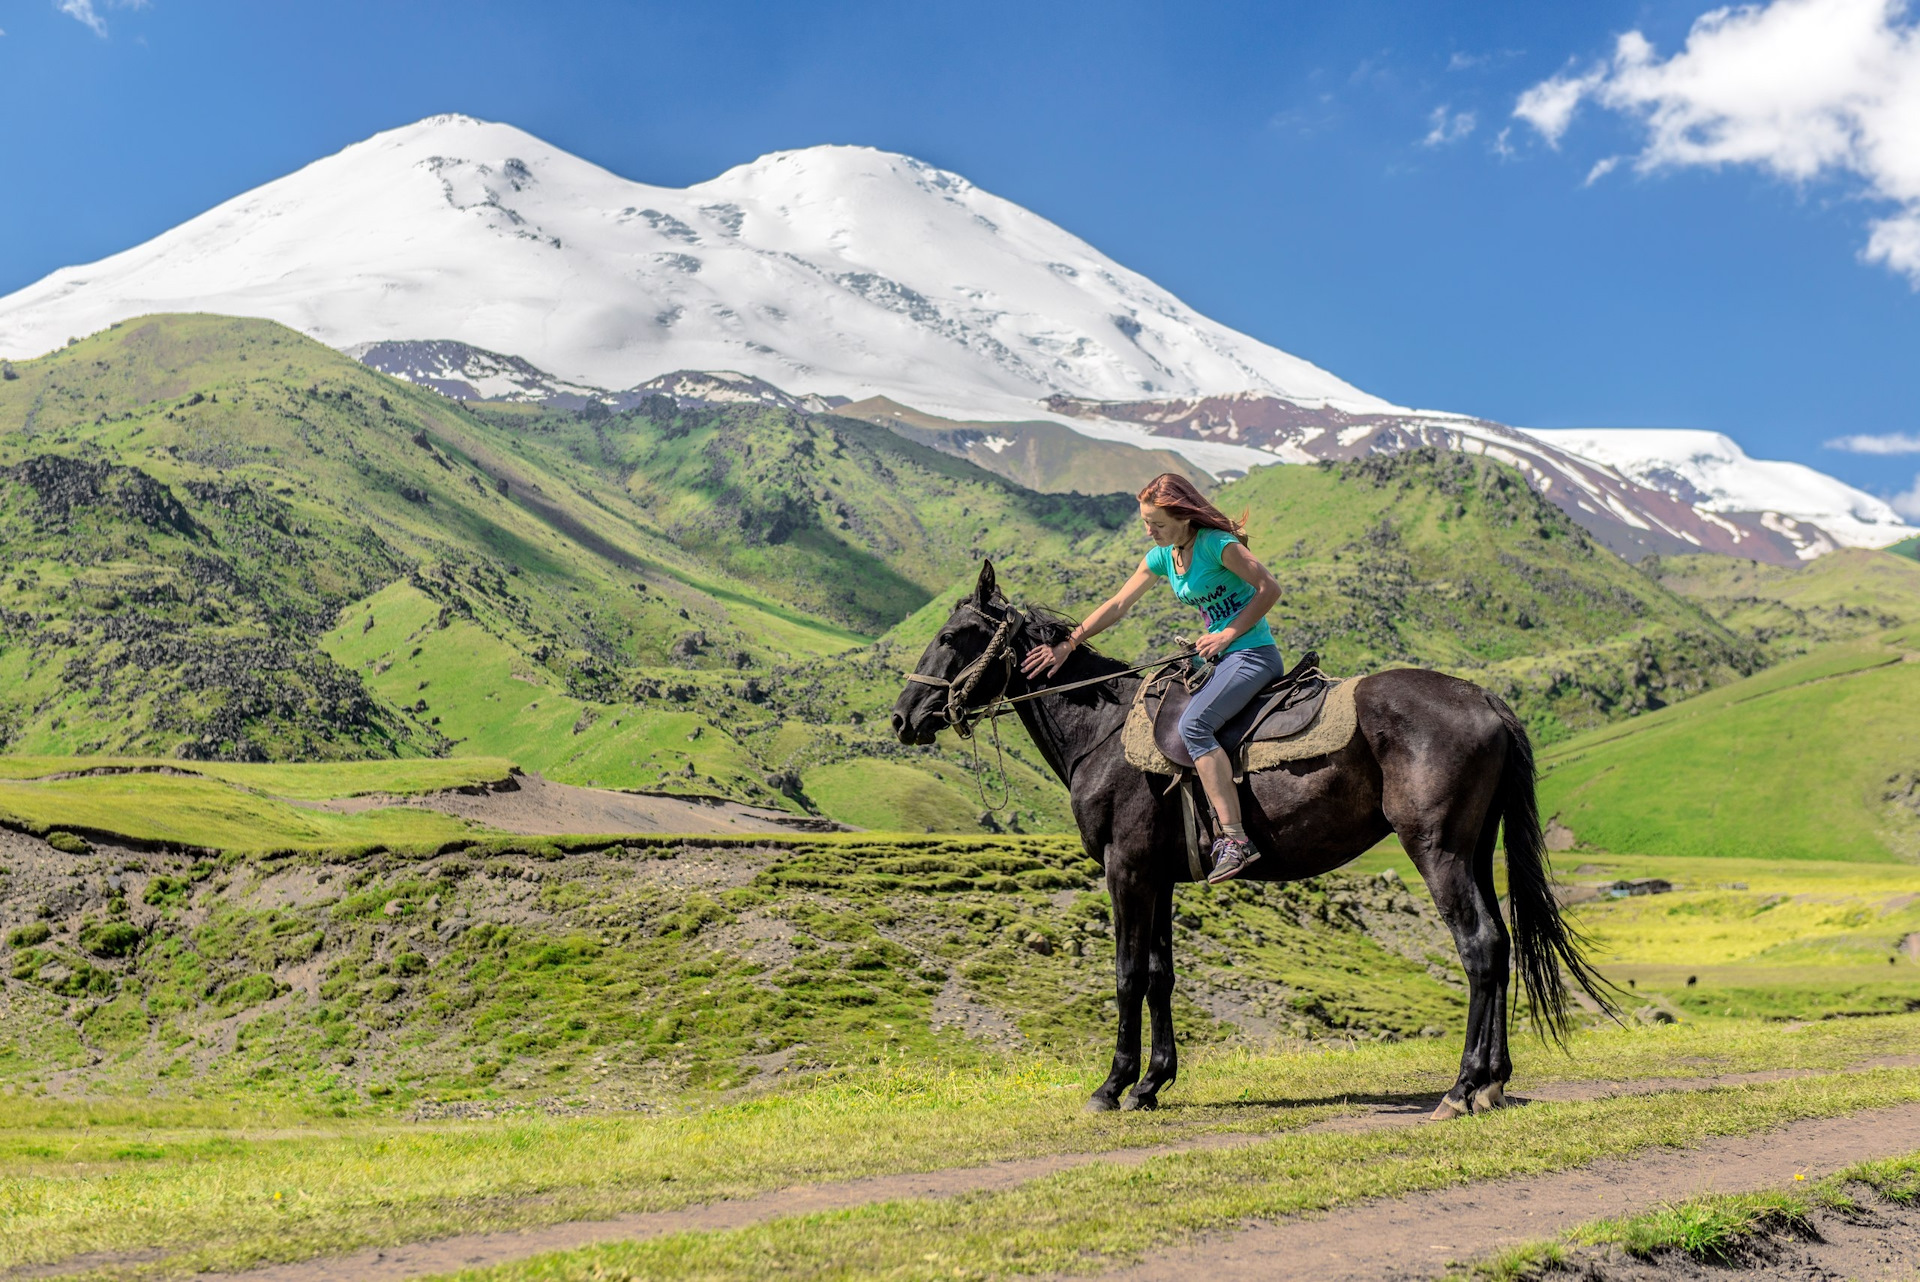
{"points": [[899, 723]]}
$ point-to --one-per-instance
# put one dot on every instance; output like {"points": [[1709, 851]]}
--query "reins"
{"points": [[962, 684]]}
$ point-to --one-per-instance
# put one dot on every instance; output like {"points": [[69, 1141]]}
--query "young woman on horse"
{"points": [[1203, 556]]}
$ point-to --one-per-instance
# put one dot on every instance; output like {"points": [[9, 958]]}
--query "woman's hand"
{"points": [[1047, 659], [1214, 644]]}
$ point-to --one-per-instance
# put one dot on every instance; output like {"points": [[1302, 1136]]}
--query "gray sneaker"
{"points": [[1231, 857]]}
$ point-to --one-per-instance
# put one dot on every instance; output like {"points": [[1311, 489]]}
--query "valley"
{"points": [[393, 784]]}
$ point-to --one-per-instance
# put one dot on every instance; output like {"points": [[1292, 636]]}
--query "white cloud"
{"points": [[1908, 504], [1502, 143], [1888, 443], [1549, 105], [1448, 126], [1601, 169], [1465, 61], [1895, 244], [1801, 89], [82, 11]]}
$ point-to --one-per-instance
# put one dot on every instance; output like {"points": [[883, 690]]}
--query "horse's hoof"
{"points": [[1139, 1103], [1488, 1098], [1101, 1104], [1447, 1111]]}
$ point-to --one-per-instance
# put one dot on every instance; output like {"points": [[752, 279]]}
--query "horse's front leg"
{"points": [[1133, 927], [1163, 1061]]}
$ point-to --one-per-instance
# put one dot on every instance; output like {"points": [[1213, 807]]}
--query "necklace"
{"points": [[1186, 548]]}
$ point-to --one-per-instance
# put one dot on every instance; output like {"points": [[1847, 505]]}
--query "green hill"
{"points": [[232, 543], [1817, 758], [834, 515], [1428, 558], [1789, 610]]}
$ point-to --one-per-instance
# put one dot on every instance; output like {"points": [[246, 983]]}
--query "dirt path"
{"points": [[386, 1264], [477, 1249], [541, 807], [1418, 1236]]}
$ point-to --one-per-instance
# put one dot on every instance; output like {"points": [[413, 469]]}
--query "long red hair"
{"points": [[1182, 500]]}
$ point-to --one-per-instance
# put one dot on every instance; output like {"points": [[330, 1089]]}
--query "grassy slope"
{"points": [[511, 969], [1812, 759], [837, 515], [210, 814], [1426, 558], [680, 593], [304, 482], [1773, 939], [1789, 610]]}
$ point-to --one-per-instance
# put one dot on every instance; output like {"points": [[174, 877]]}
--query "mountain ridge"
{"points": [[821, 273]]}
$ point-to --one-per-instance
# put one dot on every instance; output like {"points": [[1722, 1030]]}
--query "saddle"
{"points": [[1284, 707]]}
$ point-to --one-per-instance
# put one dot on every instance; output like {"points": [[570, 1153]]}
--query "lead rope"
{"points": [[1000, 754]]}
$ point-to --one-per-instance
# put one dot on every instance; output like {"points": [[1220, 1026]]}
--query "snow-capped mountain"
{"points": [[832, 270], [1711, 472], [1638, 491], [807, 278]]}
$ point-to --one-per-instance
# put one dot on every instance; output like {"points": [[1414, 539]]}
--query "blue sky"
{"points": [[1333, 179]]}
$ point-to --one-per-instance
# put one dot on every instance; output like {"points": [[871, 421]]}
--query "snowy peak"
{"points": [[1712, 472], [1638, 492], [466, 373], [725, 387], [829, 270]]}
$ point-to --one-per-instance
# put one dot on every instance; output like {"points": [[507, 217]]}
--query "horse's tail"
{"points": [[1546, 943]]}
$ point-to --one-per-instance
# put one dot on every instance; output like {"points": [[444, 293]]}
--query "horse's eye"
{"points": [[946, 639]]}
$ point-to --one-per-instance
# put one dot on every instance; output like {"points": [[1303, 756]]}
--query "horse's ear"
{"points": [[983, 590]]}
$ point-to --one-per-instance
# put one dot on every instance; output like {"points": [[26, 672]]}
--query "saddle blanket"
{"points": [[1331, 730]]}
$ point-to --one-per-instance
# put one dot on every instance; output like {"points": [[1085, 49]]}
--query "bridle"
{"points": [[961, 685], [961, 713]]}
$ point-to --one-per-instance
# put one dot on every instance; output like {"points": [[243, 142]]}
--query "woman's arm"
{"points": [[1266, 591], [1048, 658]]}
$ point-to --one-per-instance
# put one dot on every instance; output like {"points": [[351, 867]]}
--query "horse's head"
{"points": [[967, 665]]}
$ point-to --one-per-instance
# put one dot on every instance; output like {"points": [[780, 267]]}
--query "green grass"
{"points": [[1099, 1215], [197, 1180], [255, 536], [1808, 760], [489, 698], [1846, 595], [889, 797], [1724, 1229], [508, 970], [304, 781], [212, 814], [1790, 939], [1907, 547]]}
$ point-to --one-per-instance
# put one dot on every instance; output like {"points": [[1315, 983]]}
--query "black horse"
{"points": [[1437, 760]]}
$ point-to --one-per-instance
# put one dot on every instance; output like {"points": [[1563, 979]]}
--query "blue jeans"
{"points": [[1237, 677]]}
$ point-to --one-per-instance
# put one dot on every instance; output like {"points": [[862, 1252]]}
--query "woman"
{"points": [[1204, 557]]}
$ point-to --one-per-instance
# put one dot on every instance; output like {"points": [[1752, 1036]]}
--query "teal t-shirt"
{"points": [[1210, 587]]}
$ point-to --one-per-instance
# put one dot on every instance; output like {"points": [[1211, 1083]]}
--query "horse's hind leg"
{"points": [[1462, 884], [1163, 1063]]}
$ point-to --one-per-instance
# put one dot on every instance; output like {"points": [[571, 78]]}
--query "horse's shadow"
{"points": [[1392, 1102]]}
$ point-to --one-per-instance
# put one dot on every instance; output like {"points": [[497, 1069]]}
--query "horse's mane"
{"points": [[1050, 627]]}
